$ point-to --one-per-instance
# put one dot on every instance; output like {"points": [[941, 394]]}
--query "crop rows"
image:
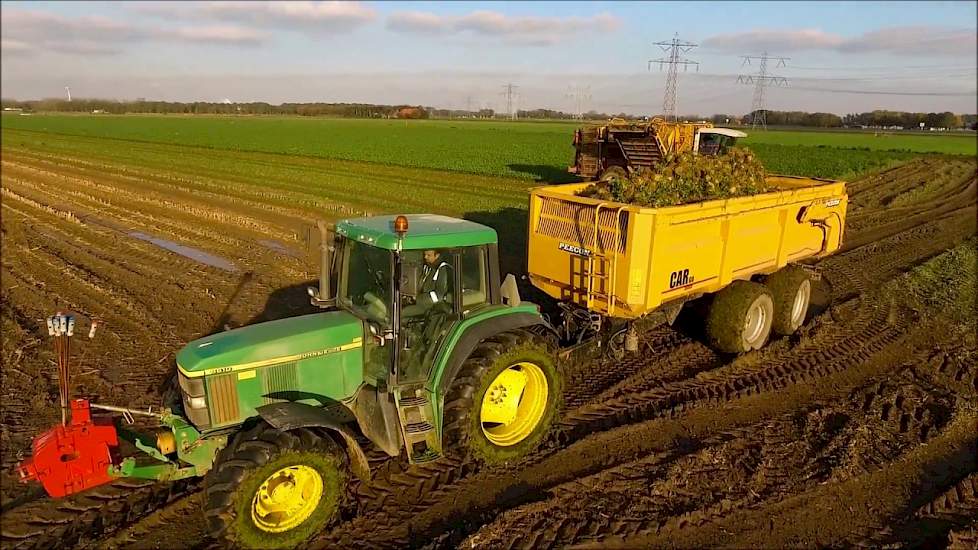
{"points": [[529, 151]]}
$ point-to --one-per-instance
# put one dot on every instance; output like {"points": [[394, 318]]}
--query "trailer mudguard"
{"points": [[289, 415]]}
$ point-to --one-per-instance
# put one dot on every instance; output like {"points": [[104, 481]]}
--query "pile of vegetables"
{"points": [[686, 178]]}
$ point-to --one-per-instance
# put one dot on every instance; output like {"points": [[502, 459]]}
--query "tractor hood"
{"points": [[271, 343]]}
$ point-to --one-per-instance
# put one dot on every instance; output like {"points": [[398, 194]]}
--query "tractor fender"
{"points": [[479, 332], [289, 415]]}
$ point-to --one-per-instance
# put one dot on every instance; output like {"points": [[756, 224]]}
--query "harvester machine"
{"points": [[622, 147]]}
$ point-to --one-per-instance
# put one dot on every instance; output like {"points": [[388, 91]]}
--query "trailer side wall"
{"points": [[640, 258]]}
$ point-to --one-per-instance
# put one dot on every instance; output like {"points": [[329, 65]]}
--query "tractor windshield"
{"points": [[365, 281]]}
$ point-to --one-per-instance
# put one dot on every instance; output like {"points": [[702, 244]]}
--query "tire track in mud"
{"points": [[82, 518], [400, 492], [748, 467]]}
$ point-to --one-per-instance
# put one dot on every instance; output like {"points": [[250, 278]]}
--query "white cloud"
{"points": [[15, 46], [219, 34], [520, 29], [30, 30], [774, 40], [417, 21], [918, 40], [308, 16]]}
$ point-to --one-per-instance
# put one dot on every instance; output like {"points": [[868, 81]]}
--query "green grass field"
{"points": [[538, 151]]}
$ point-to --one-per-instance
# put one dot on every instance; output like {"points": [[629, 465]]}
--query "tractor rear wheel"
{"points": [[791, 288], [740, 317], [504, 399], [274, 489]]}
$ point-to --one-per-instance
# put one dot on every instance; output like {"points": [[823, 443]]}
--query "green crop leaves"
{"points": [[687, 178]]}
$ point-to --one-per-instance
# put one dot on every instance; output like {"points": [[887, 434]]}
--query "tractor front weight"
{"points": [[84, 452]]}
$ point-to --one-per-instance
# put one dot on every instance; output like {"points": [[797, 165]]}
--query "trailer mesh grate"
{"points": [[574, 223]]}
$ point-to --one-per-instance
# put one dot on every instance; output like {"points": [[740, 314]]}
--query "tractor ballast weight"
{"points": [[74, 457]]}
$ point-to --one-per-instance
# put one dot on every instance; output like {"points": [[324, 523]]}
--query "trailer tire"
{"points": [[791, 289], [499, 443], [248, 471], [740, 317]]}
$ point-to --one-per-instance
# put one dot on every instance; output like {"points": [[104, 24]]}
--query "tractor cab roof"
{"points": [[425, 231]]}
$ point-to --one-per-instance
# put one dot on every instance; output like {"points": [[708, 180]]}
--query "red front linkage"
{"points": [[71, 458]]}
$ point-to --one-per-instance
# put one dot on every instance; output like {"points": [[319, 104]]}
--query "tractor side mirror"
{"points": [[409, 280]]}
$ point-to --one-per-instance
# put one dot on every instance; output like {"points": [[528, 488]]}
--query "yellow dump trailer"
{"points": [[626, 261]]}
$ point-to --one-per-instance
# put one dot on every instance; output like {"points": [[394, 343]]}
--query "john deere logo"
{"points": [[574, 249]]}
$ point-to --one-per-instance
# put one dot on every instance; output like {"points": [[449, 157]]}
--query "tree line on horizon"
{"points": [[871, 119]]}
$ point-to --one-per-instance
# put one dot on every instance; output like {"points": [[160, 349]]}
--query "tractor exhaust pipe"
{"points": [[322, 298]]}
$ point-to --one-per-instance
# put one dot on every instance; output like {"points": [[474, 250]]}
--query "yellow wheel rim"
{"points": [[286, 499], [514, 404]]}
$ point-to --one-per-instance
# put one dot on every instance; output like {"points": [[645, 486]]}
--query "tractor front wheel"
{"points": [[274, 489], [613, 174], [504, 399]]}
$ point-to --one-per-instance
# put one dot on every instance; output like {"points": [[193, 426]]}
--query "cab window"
{"points": [[474, 277]]}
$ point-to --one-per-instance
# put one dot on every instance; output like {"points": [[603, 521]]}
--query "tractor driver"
{"points": [[435, 280], [432, 304], [435, 284]]}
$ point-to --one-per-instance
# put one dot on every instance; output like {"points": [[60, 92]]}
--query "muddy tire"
{"points": [[274, 489], [740, 317], [513, 372], [791, 289], [613, 173]]}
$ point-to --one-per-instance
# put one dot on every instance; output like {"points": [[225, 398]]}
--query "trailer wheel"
{"points": [[274, 489], [792, 289], [504, 399], [740, 317], [613, 173]]}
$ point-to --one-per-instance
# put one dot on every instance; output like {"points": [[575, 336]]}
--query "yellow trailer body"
{"points": [[625, 261]]}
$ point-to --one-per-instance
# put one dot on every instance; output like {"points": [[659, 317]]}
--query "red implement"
{"points": [[72, 458]]}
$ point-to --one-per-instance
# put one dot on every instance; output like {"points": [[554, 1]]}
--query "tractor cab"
{"points": [[715, 141], [410, 279]]}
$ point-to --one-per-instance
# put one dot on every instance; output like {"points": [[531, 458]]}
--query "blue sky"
{"points": [[844, 56]]}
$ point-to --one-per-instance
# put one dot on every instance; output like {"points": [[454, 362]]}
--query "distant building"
{"points": [[410, 112]]}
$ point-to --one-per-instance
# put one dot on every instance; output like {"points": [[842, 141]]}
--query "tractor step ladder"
{"points": [[607, 259], [417, 426]]}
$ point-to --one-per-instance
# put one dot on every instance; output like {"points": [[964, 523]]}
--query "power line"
{"points": [[580, 95], [761, 81], [674, 48], [509, 91]]}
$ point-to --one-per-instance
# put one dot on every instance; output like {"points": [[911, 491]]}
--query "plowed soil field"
{"points": [[859, 430]]}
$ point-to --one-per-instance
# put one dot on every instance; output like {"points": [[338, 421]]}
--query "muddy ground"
{"points": [[860, 430]]}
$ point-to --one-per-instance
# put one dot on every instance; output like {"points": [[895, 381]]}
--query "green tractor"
{"points": [[419, 349]]}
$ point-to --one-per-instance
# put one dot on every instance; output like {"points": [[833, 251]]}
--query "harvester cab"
{"points": [[415, 350]]}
